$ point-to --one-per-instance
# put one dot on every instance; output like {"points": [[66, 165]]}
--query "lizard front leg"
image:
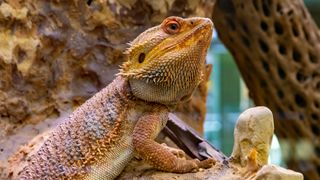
{"points": [[146, 129]]}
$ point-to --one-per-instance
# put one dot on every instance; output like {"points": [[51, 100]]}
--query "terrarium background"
{"points": [[228, 95]]}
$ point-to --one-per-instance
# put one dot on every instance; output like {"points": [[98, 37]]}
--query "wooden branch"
{"points": [[190, 141]]}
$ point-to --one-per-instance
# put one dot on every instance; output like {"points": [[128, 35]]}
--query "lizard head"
{"points": [[166, 62]]}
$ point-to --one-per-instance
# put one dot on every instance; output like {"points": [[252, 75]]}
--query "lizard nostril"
{"points": [[141, 57]]}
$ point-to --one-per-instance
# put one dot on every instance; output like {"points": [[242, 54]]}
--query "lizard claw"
{"points": [[205, 164], [193, 165], [179, 153]]}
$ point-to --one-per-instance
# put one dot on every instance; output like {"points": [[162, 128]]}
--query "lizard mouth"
{"points": [[200, 33]]}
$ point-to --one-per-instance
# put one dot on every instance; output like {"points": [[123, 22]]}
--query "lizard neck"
{"points": [[139, 91], [163, 93]]}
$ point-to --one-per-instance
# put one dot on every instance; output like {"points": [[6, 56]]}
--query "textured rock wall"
{"points": [[276, 45], [56, 54]]}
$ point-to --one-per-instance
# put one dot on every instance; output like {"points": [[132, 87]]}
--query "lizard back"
{"points": [[95, 139]]}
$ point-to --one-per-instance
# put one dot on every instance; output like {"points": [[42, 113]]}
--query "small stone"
{"points": [[254, 130], [273, 172]]}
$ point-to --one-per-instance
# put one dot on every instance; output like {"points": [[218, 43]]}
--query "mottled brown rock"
{"points": [[276, 45]]}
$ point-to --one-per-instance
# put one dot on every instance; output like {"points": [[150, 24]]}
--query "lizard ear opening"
{"points": [[142, 56]]}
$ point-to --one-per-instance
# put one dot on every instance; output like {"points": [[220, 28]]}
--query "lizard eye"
{"points": [[172, 27]]}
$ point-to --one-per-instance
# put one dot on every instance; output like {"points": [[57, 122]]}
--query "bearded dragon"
{"points": [[164, 65]]}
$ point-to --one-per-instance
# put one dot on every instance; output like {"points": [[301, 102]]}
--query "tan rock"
{"points": [[254, 130], [273, 172]]}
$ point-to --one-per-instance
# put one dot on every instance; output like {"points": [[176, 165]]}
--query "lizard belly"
{"points": [[121, 153], [116, 161]]}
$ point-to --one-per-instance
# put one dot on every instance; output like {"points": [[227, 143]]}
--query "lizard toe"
{"points": [[208, 163]]}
